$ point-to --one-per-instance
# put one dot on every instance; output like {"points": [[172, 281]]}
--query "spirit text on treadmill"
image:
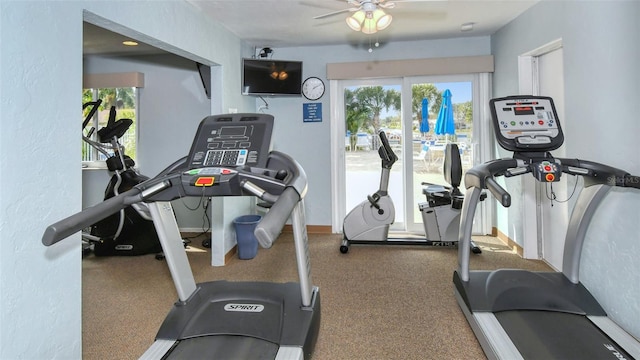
{"points": [[615, 352], [244, 307]]}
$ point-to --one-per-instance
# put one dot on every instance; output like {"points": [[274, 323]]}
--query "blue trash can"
{"points": [[247, 243]]}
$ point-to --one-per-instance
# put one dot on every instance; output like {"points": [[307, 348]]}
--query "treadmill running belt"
{"points": [[554, 335], [223, 347]]}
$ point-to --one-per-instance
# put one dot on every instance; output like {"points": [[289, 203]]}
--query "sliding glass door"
{"points": [[407, 110], [437, 111], [370, 106]]}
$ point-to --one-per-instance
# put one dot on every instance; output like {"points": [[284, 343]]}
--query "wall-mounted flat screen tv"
{"points": [[271, 77]]}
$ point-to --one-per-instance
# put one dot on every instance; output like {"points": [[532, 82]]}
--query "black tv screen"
{"points": [[271, 77]]}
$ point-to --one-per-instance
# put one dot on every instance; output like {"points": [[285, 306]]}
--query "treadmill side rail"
{"points": [[496, 337], [617, 334], [289, 353], [494, 341], [157, 350]]}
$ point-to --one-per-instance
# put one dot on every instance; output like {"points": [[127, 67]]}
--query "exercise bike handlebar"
{"points": [[385, 151]]}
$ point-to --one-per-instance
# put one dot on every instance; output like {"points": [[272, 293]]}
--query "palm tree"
{"points": [[377, 99], [429, 91], [357, 115]]}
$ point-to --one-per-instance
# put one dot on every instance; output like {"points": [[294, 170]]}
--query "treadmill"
{"points": [[221, 319], [518, 314]]}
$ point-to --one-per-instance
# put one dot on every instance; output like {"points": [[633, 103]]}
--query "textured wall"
{"points": [[40, 177], [600, 75], [40, 172]]}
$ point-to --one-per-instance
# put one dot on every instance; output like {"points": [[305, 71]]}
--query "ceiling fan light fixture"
{"points": [[355, 21], [384, 21], [369, 26], [369, 21]]}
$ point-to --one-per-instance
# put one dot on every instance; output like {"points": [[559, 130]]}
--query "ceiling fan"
{"points": [[368, 15]]}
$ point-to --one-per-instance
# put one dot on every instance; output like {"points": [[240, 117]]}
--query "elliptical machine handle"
{"points": [[93, 110]]}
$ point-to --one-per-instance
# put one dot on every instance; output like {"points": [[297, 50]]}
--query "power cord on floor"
{"points": [[206, 222]]}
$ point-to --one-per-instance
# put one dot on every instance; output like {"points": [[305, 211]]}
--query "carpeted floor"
{"points": [[377, 302]]}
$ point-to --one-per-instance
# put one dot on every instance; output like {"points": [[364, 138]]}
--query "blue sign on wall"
{"points": [[312, 112]]}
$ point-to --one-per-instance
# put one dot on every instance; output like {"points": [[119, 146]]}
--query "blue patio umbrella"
{"points": [[424, 124], [444, 123]]}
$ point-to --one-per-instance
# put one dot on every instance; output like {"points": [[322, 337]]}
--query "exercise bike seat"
{"points": [[452, 168], [439, 195]]}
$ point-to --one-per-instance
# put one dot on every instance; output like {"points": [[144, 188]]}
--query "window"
{"points": [[124, 99]]}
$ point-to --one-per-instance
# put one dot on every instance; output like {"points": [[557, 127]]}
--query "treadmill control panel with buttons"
{"points": [[232, 140], [526, 123], [225, 150], [547, 171]]}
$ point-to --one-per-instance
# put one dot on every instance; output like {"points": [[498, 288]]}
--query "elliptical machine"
{"points": [[368, 223], [129, 231]]}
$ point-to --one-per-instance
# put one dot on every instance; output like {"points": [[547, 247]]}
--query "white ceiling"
{"points": [[287, 23]]}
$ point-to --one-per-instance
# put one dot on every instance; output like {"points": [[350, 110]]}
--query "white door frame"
{"points": [[338, 130], [483, 149], [528, 81]]}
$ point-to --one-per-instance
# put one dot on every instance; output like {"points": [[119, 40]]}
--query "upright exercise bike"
{"points": [[369, 222], [129, 231]]}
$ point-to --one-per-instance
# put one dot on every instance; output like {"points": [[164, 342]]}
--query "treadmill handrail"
{"points": [[74, 223], [483, 176], [160, 189], [270, 227]]}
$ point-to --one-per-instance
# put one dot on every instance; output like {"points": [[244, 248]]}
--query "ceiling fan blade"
{"points": [[335, 13], [389, 2]]}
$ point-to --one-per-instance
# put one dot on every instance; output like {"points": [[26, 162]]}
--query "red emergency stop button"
{"points": [[550, 177], [205, 181]]}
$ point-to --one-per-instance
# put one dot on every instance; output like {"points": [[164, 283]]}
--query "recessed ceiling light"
{"points": [[467, 26], [130, 43]]}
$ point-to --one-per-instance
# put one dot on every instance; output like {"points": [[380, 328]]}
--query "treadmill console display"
{"points": [[232, 140], [526, 123]]}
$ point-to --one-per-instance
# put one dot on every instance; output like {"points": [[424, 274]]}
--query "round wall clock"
{"points": [[313, 88]]}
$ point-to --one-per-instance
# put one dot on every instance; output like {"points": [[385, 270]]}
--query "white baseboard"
{"points": [[192, 230]]}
